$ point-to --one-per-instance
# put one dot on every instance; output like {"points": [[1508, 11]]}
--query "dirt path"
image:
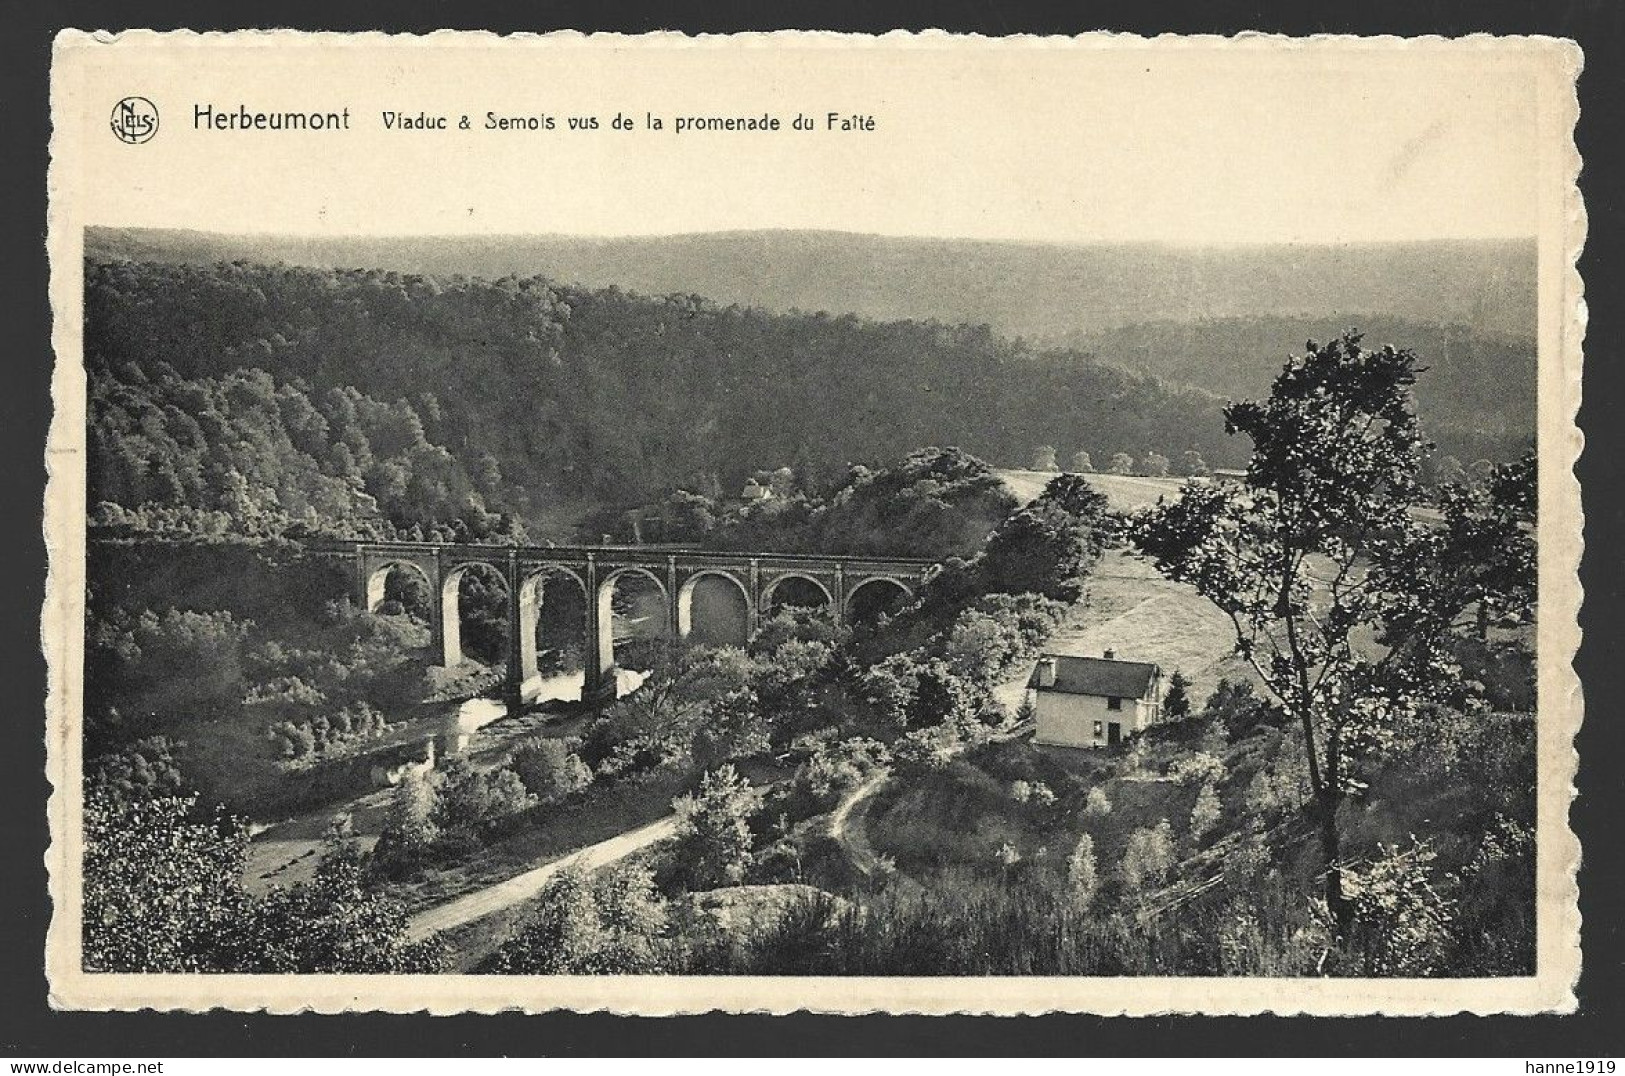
{"points": [[522, 887], [848, 825]]}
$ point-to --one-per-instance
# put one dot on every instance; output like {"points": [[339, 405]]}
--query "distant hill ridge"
{"points": [[1039, 290]]}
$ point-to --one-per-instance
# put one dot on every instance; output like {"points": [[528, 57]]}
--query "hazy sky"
{"points": [[1194, 145]]}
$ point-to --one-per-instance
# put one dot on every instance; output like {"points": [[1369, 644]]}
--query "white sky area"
{"points": [[1195, 145]]}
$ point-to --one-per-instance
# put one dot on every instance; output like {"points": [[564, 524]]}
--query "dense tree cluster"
{"points": [[244, 453], [163, 892], [933, 503], [560, 391]]}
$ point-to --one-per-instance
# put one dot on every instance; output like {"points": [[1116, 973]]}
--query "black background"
{"points": [[29, 1029]]}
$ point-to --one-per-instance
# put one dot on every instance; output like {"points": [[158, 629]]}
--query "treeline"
{"points": [[457, 385], [935, 503], [1476, 401]]}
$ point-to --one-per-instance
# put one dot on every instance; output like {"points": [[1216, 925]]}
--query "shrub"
{"points": [[733, 729], [1032, 793], [1082, 877], [714, 829], [289, 690], [470, 796], [925, 751], [146, 768], [1199, 767], [1494, 917], [323, 735], [1205, 812], [409, 829], [162, 886], [1097, 804], [612, 925], [981, 647], [548, 769], [1282, 786], [1148, 857], [837, 768], [1241, 713], [1401, 923]]}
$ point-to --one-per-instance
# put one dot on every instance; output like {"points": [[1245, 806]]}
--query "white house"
{"points": [[1093, 702], [754, 492]]}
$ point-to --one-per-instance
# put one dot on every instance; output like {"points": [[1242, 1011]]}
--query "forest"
{"points": [[440, 398], [1477, 399]]}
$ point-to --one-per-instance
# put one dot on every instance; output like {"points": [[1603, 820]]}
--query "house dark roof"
{"points": [[1099, 676]]}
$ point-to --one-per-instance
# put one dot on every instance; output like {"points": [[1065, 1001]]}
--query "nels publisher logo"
{"points": [[135, 120]]}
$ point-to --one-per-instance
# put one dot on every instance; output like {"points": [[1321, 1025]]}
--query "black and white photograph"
{"points": [[929, 525]]}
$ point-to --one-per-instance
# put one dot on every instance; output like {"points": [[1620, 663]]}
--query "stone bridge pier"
{"points": [[847, 586]]}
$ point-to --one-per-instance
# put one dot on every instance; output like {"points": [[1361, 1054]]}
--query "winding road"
{"points": [[848, 825], [522, 887]]}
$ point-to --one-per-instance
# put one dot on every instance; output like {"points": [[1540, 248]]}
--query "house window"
{"points": [[1100, 729], [1114, 703]]}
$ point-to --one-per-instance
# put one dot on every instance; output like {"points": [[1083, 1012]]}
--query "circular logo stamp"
{"points": [[135, 120]]}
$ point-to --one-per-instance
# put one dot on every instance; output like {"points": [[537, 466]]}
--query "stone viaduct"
{"points": [[595, 570]]}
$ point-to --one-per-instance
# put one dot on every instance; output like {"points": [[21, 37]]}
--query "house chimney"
{"points": [[1046, 671], [1109, 654]]}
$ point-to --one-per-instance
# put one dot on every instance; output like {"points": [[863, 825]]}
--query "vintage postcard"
{"points": [[909, 524]]}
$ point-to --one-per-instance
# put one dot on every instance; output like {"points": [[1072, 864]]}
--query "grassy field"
{"points": [[1124, 493], [1133, 611]]}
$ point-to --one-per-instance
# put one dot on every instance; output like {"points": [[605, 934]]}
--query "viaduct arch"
{"points": [[846, 584], [685, 599]]}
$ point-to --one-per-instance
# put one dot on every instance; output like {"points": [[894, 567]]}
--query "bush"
{"points": [[1401, 923], [1205, 812], [322, 735], [409, 830], [548, 769], [1494, 917], [925, 751], [1148, 858], [1200, 767], [981, 647], [1241, 713], [162, 886], [144, 769], [733, 729], [1097, 804], [714, 829], [1082, 877], [612, 925], [470, 796], [1033, 793], [837, 768]]}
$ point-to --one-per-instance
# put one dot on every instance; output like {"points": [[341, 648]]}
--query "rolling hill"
{"points": [[1044, 291]]}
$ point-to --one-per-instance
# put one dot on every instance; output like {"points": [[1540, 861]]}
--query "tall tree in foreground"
{"points": [[162, 885], [1321, 547]]}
